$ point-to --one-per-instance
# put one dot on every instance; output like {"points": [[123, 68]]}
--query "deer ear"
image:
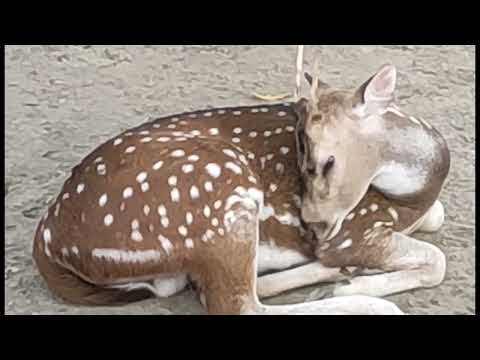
{"points": [[377, 92]]}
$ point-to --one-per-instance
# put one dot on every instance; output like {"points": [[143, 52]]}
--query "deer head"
{"points": [[335, 142]]}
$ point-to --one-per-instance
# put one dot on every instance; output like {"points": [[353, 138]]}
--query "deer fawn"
{"points": [[213, 198]]}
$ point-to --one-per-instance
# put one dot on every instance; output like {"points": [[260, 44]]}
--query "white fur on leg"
{"points": [[313, 273], [433, 219], [413, 264], [348, 305]]}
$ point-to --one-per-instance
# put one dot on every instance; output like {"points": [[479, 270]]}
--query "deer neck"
{"points": [[413, 159]]}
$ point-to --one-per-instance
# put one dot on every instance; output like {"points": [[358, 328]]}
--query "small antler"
{"points": [[296, 92]]}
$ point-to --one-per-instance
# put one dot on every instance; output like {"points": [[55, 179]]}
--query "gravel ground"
{"points": [[62, 101]]}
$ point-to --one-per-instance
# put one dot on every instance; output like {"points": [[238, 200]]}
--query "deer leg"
{"points": [[228, 283], [309, 274], [434, 218], [410, 264]]}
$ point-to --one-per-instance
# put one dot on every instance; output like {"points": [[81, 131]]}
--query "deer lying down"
{"points": [[213, 198]]}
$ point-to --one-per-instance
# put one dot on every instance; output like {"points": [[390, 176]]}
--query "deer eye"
{"points": [[328, 165]]}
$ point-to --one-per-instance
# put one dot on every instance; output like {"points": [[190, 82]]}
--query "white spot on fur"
{"points": [[252, 179], [103, 200], [187, 168], [217, 204], [75, 250], [136, 236], [157, 165], [145, 139], [235, 168], [362, 212], [279, 167], [135, 224], [373, 207], [127, 192], [267, 133], [350, 216], [236, 140], [290, 128], [284, 150], [141, 177], [393, 213], [145, 186], [189, 243], [214, 222], [193, 158], [130, 149], [175, 195], [194, 193], [127, 256], [80, 188], [206, 211], [166, 244], [230, 153], [213, 131], [278, 131], [117, 141], [178, 153], [146, 209], [195, 132], [347, 243], [236, 112], [101, 169], [162, 211], [108, 219], [163, 139], [182, 230], [252, 134], [213, 170], [164, 221], [237, 130], [273, 187], [189, 218], [208, 186], [172, 180], [282, 113]]}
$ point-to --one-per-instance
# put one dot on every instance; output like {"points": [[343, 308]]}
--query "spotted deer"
{"points": [[214, 197]]}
